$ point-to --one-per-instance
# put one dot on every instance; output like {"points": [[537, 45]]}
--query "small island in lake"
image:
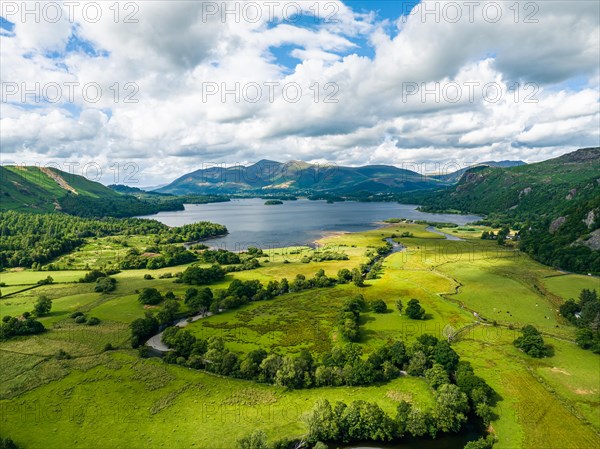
{"points": [[273, 202]]}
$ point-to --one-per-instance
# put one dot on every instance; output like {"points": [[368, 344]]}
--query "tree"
{"points": [[379, 306], [445, 356], [344, 276], [105, 285], [42, 306], [399, 305], [150, 296], [402, 415], [414, 310], [437, 376], [7, 443], [250, 366], [289, 374], [481, 443], [357, 278], [168, 311], [416, 422], [418, 364], [531, 342], [142, 329], [256, 440], [269, 367], [484, 411], [322, 423], [451, 408]]}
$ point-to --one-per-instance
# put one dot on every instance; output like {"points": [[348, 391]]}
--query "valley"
{"points": [[106, 394]]}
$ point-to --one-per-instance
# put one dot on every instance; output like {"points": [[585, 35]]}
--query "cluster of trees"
{"points": [[343, 365], [457, 392], [202, 276], [500, 237], [142, 329], [157, 257], [345, 276], [220, 256], [585, 314], [26, 324], [117, 206], [105, 284], [414, 310], [348, 320], [13, 326], [373, 267], [320, 256], [564, 247], [365, 421], [240, 292], [30, 240], [532, 343]]}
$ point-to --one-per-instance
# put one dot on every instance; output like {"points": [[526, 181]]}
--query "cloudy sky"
{"points": [[163, 88]]}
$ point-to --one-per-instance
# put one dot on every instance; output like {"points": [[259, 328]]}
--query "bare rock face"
{"points": [[593, 240], [571, 194], [526, 191], [556, 224], [590, 219]]}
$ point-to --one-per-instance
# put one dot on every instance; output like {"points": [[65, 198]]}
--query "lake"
{"points": [[294, 223]]}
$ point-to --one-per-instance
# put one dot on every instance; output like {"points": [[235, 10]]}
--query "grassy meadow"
{"points": [[115, 399]]}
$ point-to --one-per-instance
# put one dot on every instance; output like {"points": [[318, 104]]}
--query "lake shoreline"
{"points": [[296, 223]]}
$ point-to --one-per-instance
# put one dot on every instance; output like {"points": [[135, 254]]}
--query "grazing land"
{"points": [[118, 398]]}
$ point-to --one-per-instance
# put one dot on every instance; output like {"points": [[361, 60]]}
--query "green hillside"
{"points": [[35, 189], [525, 191], [555, 204]]}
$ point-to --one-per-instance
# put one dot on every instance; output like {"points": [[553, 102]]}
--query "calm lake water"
{"points": [[294, 223]]}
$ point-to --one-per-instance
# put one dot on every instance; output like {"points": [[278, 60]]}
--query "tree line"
{"points": [[28, 239]]}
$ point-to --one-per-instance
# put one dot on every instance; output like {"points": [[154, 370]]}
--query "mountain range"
{"points": [[297, 177]]}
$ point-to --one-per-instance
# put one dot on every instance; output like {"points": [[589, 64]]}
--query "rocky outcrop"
{"points": [[590, 219], [592, 241], [571, 194], [526, 191], [556, 224]]}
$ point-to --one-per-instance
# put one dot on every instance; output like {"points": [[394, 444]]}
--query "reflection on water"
{"points": [[301, 222]]}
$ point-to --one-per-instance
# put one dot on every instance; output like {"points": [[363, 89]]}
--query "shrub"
{"points": [[105, 285], [150, 296], [379, 306], [80, 319], [93, 321]]}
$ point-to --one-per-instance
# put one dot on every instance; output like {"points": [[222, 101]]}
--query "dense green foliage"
{"points": [[202, 276], [142, 329], [29, 240], [585, 314], [555, 204], [12, 326], [531, 342], [414, 310]]}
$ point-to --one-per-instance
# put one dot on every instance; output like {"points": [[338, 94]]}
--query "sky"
{"points": [[143, 92]]}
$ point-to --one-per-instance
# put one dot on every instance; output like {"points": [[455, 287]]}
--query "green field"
{"points": [[115, 399]]}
